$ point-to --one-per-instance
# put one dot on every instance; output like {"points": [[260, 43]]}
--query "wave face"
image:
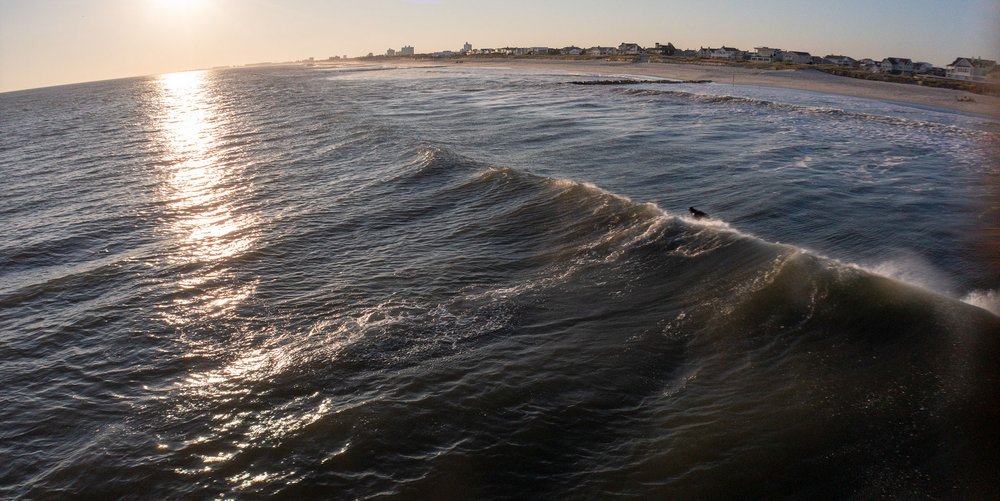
{"points": [[454, 283]]}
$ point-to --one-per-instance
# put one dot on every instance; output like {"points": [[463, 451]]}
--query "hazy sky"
{"points": [[49, 42]]}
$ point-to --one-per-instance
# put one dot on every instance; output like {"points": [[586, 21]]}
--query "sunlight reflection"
{"points": [[202, 192], [247, 372], [205, 194]]}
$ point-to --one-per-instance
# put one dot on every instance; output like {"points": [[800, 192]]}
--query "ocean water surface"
{"points": [[471, 283]]}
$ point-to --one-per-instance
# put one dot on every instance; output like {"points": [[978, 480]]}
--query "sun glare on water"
{"points": [[204, 192]]}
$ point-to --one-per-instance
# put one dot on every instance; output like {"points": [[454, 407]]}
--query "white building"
{"points": [[407, 50], [727, 53], [869, 65], [968, 68], [764, 54], [897, 66], [466, 48], [795, 57], [601, 51], [515, 51], [631, 49]]}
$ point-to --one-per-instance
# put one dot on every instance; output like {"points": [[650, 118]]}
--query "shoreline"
{"points": [[798, 79]]}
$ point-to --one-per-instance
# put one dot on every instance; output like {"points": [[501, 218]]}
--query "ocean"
{"points": [[484, 283]]}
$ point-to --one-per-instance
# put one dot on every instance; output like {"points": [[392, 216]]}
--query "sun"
{"points": [[178, 5]]}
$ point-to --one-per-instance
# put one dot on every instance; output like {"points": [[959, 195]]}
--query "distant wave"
{"points": [[817, 110]]}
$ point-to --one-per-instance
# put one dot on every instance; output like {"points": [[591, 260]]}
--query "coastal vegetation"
{"points": [[984, 88]]}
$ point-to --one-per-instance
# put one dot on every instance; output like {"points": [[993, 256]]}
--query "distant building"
{"points": [[390, 52], [628, 48], [571, 51], [897, 66], [922, 68], [764, 54], [407, 50], [601, 51], [960, 69], [663, 50], [540, 51], [795, 57], [728, 53], [466, 48], [968, 68], [720, 53], [842, 61], [522, 51], [870, 65]]}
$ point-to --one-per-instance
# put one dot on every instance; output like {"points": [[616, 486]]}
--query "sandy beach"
{"points": [[809, 80]]}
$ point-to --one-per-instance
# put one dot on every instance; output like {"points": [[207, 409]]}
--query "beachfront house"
{"points": [[897, 66], [631, 49], [795, 57], [923, 68], [842, 61], [727, 53], [516, 51], [968, 68], [601, 51], [764, 54], [869, 65], [662, 50], [960, 69], [541, 51], [571, 51]]}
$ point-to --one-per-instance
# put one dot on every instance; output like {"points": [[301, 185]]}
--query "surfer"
{"points": [[697, 214]]}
